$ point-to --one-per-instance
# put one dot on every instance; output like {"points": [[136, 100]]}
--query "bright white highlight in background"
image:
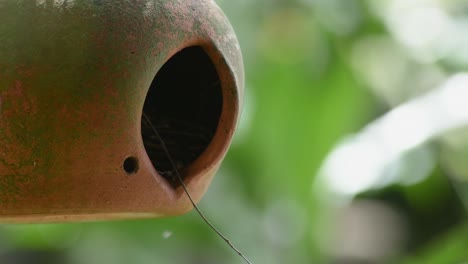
{"points": [[365, 160], [429, 29]]}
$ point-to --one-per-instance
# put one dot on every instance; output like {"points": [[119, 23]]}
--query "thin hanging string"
{"points": [[166, 151]]}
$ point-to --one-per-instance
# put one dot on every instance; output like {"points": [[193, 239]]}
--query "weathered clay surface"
{"points": [[73, 80]]}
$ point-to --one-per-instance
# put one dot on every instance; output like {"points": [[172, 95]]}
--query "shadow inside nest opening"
{"points": [[184, 105]]}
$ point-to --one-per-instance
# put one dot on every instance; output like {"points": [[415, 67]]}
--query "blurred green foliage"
{"points": [[313, 77]]}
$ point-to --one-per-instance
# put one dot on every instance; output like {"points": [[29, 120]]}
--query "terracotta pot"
{"points": [[75, 79]]}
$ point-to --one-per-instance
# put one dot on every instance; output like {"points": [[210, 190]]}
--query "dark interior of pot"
{"points": [[183, 106]]}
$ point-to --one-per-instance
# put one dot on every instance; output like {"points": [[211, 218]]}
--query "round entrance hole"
{"points": [[183, 105]]}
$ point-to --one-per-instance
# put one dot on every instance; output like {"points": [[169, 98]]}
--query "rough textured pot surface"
{"points": [[74, 79]]}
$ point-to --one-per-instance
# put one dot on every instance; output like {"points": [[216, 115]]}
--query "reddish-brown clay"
{"points": [[74, 76]]}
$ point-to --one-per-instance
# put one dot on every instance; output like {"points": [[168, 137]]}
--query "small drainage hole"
{"points": [[130, 165]]}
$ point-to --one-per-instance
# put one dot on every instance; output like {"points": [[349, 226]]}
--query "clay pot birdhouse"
{"points": [[83, 85]]}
